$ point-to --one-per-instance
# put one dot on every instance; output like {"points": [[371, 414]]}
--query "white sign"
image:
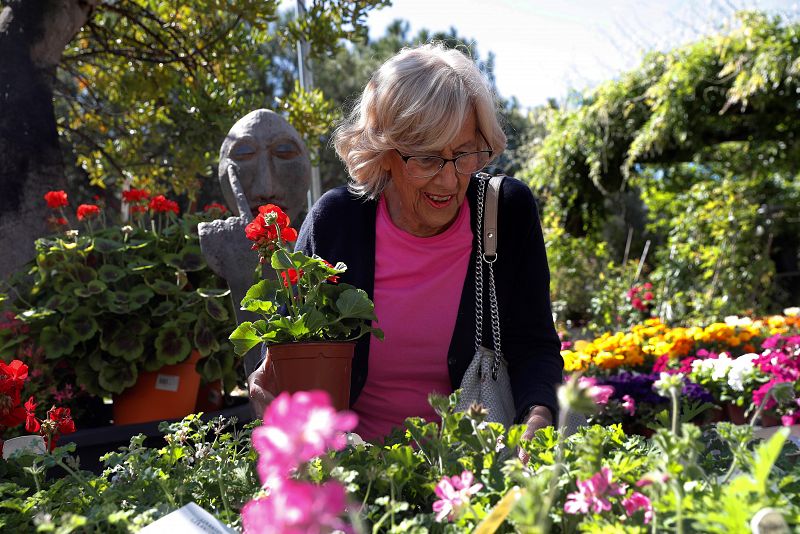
{"points": [[29, 444], [190, 519], [168, 382]]}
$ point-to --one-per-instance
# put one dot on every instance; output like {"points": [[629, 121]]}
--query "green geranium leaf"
{"points": [[82, 323], [264, 307], [204, 339], [118, 376], [162, 287], [118, 302], [126, 344], [244, 338], [82, 274], [355, 303], [191, 259], [263, 290], [110, 273], [281, 260], [64, 303], [88, 377], [105, 246], [216, 309], [210, 369], [315, 320], [96, 360], [95, 287], [163, 308], [141, 265], [57, 342], [139, 296], [172, 345], [208, 292]]}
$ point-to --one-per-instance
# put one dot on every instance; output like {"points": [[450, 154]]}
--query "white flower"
{"points": [[720, 367], [667, 382], [741, 369], [792, 312], [71, 233]]}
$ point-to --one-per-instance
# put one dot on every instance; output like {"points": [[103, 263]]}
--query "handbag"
{"points": [[486, 380]]}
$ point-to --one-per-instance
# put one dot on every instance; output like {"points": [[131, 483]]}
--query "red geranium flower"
{"points": [[282, 219], [56, 199], [335, 278], [293, 276], [16, 371], [138, 209], [135, 195], [161, 204], [87, 211], [216, 206], [63, 420], [32, 424], [648, 296], [289, 235]]}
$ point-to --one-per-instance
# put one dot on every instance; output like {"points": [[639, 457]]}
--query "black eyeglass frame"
{"points": [[445, 161]]}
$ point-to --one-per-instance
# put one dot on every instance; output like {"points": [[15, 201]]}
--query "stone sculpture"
{"points": [[262, 161]]}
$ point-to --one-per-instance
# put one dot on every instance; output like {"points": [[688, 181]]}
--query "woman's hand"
{"points": [[539, 417], [262, 386]]}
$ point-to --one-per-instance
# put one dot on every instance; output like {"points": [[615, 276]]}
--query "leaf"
{"points": [[244, 338], [82, 323], [106, 246], [57, 343], [139, 296], [110, 273], [315, 320], [162, 287], [216, 309], [355, 303], [207, 292], [281, 260], [162, 309], [264, 307], [189, 259], [82, 274], [765, 456], [172, 345], [118, 376], [204, 339], [210, 369]]}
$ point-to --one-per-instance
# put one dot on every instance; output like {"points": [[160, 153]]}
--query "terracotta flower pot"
{"points": [[169, 393], [307, 366], [735, 414], [769, 419]]}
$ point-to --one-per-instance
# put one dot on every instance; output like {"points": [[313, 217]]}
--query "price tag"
{"points": [[769, 521], [28, 444], [168, 382], [190, 519]]}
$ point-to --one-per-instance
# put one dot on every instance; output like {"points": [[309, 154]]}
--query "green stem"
{"points": [[81, 481], [544, 519], [753, 420], [679, 510], [676, 409], [484, 446]]}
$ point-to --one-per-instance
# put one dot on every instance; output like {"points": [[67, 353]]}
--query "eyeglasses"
{"points": [[429, 166]]}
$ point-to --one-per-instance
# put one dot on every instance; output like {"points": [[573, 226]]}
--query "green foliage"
{"points": [[107, 304], [147, 90]]}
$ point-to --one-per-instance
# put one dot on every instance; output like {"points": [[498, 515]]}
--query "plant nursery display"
{"points": [[103, 302]]}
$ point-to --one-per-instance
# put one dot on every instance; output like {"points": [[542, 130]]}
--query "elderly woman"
{"points": [[405, 227]]}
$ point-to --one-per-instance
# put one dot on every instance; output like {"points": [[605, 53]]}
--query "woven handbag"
{"points": [[486, 380]]}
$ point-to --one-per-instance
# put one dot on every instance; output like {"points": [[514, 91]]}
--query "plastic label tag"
{"points": [[168, 382], [190, 519]]}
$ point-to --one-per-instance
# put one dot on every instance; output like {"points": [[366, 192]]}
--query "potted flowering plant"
{"points": [[105, 303], [310, 321]]}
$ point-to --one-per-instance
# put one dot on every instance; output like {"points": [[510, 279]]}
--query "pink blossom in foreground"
{"points": [[298, 508], [652, 478], [296, 428], [638, 501], [591, 494], [628, 404], [454, 494], [599, 394]]}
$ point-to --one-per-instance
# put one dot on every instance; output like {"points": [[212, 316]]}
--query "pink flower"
{"points": [[628, 404], [298, 508], [638, 501], [591, 494], [454, 493], [648, 285], [651, 478], [599, 394], [296, 428]]}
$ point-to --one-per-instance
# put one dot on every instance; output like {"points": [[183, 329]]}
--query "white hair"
{"points": [[416, 102]]}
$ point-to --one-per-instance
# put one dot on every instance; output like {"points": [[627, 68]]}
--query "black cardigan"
{"points": [[341, 227]]}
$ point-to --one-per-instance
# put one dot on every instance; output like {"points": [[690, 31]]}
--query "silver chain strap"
{"points": [[494, 308]]}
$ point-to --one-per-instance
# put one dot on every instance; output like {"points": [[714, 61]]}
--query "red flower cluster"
{"points": [[88, 211], [9, 321], [56, 199], [644, 303], [333, 279], [58, 422], [161, 204], [293, 276], [12, 378], [215, 207], [135, 195], [263, 234]]}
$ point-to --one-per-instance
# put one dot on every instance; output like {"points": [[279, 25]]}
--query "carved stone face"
{"points": [[271, 162]]}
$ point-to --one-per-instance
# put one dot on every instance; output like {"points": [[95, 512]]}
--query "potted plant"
{"points": [[106, 303], [310, 321]]}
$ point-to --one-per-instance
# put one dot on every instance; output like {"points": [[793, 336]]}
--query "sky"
{"points": [[543, 48]]}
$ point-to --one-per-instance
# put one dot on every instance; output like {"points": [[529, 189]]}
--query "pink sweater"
{"points": [[418, 283]]}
